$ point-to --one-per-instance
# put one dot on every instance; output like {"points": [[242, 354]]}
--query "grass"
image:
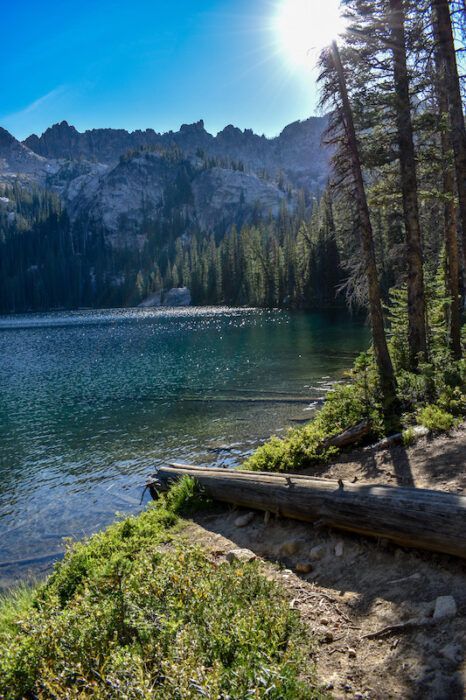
{"points": [[134, 612]]}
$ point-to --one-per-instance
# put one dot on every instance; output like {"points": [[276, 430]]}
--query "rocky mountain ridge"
{"points": [[114, 182], [296, 151]]}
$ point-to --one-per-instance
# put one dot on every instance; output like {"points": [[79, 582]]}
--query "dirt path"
{"points": [[358, 586]]}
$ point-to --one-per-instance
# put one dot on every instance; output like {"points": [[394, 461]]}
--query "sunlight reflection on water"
{"points": [[91, 400]]}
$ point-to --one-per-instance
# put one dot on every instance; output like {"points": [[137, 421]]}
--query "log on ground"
{"points": [[411, 517]]}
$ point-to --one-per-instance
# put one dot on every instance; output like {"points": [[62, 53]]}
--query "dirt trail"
{"points": [[358, 586]]}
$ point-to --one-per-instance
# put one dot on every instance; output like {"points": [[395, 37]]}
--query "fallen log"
{"points": [[411, 517], [350, 436]]}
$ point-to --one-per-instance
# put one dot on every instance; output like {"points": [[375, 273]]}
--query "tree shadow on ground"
{"points": [[379, 582]]}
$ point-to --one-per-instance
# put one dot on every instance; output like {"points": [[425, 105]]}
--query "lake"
{"points": [[92, 401]]}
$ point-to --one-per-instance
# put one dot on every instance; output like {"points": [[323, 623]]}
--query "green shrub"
{"points": [[435, 419], [408, 437], [136, 613], [344, 406]]}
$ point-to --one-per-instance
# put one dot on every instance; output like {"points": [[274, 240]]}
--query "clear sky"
{"points": [[146, 63]]}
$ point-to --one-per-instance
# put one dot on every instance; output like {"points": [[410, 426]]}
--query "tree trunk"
{"points": [[411, 517], [446, 50], [416, 301], [451, 237], [382, 355]]}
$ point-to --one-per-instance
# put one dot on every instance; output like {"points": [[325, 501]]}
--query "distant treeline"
{"points": [[45, 262]]}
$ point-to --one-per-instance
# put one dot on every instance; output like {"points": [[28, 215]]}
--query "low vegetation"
{"points": [[135, 612], [434, 396]]}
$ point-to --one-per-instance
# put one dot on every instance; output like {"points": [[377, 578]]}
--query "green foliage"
{"points": [[345, 406], [408, 437], [435, 419], [185, 496], [135, 612], [440, 379]]}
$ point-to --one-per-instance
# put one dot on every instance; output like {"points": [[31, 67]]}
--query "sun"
{"points": [[303, 27]]}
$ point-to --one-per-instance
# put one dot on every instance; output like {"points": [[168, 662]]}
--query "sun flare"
{"points": [[303, 27]]}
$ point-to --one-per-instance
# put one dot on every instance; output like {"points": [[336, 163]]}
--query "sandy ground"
{"points": [[358, 586]]}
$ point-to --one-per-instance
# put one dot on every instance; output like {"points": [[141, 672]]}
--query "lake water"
{"points": [[91, 401]]}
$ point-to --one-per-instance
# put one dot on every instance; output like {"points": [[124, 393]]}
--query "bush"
{"points": [[408, 437], [135, 612], [344, 406], [435, 419]]}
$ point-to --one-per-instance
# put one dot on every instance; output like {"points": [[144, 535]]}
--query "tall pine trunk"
{"points": [[447, 54], [417, 334], [450, 218], [382, 355]]}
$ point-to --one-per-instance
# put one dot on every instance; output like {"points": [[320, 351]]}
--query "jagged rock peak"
{"points": [[6, 138], [193, 128]]}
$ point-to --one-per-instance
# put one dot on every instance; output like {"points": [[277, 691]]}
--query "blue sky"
{"points": [[146, 63]]}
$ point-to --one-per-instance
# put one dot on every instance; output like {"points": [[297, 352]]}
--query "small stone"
{"points": [[290, 547], [452, 652], [420, 431], [317, 552], [243, 520], [324, 621], [303, 567], [339, 549], [240, 555], [445, 606], [351, 653]]}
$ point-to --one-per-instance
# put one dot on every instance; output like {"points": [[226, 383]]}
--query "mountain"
{"points": [[296, 151], [105, 216], [19, 161], [113, 181]]}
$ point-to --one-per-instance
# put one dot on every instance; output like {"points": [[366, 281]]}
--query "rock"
{"points": [[243, 520], [290, 547], [339, 549], [351, 653], [317, 552], [303, 567], [420, 431], [152, 300], [240, 555], [178, 296], [445, 606], [323, 621], [452, 652]]}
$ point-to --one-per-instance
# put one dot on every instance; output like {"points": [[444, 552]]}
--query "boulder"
{"points": [[243, 520], [290, 547], [317, 552], [177, 296], [445, 606], [240, 554]]}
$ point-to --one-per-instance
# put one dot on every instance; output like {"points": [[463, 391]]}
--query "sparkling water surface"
{"points": [[92, 401]]}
